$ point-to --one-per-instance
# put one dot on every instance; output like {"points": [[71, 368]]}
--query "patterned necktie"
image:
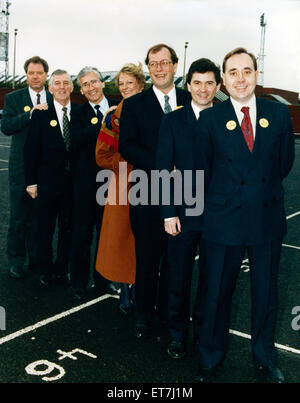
{"points": [[38, 99], [66, 129], [99, 113], [167, 108], [246, 127]]}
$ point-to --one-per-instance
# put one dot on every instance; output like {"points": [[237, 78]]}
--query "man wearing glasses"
{"points": [[87, 213], [139, 128]]}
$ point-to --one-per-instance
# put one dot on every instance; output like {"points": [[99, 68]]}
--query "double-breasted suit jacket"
{"points": [[244, 202]]}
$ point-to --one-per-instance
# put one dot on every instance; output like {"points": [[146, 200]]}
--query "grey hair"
{"points": [[58, 72], [85, 71]]}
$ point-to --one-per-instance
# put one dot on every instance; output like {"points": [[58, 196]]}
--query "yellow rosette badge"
{"points": [[264, 122], [27, 108], [178, 107], [53, 123], [94, 121], [231, 125]]}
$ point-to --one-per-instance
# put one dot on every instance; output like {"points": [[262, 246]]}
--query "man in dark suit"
{"points": [[18, 108], [87, 213], [250, 146], [175, 148], [48, 174], [139, 128]]}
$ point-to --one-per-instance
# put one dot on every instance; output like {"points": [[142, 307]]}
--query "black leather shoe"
{"points": [[204, 374], [16, 271], [273, 373], [141, 330], [45, 280], [79, 294], [176, 349], [125, 310], [111, 289]]}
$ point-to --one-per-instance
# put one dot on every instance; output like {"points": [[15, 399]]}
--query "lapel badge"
{"points": [[231, 125], [94, 121], [263, 122], [53, 123], [117, 123], [27, 108], [178, 107]]}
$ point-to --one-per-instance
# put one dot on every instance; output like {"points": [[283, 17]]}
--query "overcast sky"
{"points": [[107, 34]]}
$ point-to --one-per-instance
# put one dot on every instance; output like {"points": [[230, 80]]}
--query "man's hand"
{"points": [[41, 107], [32, 190], [173, 227]]}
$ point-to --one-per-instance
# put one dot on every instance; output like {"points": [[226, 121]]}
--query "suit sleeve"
{"points": [[165, 161], [32, 149], [130, 147], [13, 120], [287, 146]]}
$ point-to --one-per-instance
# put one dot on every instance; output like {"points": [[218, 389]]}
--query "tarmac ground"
{"points": [[48, 338]]}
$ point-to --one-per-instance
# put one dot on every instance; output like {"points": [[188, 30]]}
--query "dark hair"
{"points": [[157, 48], [37, 60], [203, 66], [238, 51]]}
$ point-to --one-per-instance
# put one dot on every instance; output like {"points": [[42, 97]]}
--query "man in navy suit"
{"points": [[139, 128], [250, 147], [49, 176], [87, 213], [18, 108], [175, 148]]}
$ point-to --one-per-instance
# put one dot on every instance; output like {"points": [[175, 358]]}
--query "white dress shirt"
{"points": [[196, 109], [43, 98], [161, 97], [60, 113], [104, 106], [252, 111]]}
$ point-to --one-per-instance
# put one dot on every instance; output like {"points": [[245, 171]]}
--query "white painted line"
{"points": [[292, 215], [280, 346], [54, 318], [3, 169], [5, 146], [291, 246], [3, 160]]}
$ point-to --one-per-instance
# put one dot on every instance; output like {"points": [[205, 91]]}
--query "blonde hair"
{"points": [[134, 70]]}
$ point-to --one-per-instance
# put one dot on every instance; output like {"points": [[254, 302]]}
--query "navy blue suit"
{"points": [[139, 129], [244, 210], [49, 165], [87, 213], [175, 148]]}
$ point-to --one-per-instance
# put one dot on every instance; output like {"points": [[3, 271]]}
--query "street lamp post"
{"points": [[183, 76], [14, 70]]}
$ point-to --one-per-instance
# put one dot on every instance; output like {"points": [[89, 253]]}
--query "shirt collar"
{"points": [[59, 106], [161, 95], [102, 103], [238, 106]]}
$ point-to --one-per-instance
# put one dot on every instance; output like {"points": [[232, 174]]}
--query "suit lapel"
{"points": [[54, 124], [153, 103]]}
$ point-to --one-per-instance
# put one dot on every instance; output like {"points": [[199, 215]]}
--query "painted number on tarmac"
{"points": [[45, 367]]}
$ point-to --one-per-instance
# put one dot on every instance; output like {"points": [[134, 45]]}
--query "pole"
{"points": [[15, 48], [184, 60]]}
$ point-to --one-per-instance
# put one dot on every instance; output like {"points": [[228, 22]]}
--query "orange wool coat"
{"points": [[116, 252]]}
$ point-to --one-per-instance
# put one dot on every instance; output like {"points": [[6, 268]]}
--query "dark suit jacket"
{"points": [[139, 127], [45, 154], [244, 203], [85, 134], [15, 122], [175, 148]]}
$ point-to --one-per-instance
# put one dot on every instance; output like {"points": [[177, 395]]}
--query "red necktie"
{"points": [[246, 127]]}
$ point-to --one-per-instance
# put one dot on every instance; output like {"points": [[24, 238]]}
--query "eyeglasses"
{"points": [[92, 82], [163, 64]]}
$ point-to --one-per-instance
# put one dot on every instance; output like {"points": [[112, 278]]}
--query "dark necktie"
{"points": [[98, 113], [38, 99], [66, 129], [167, 108], [246, 127]]}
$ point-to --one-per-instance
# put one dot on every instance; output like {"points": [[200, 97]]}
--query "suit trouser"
{"points": [[212, 315], [182, 251], [52, 208], [151, 262], [22, 230], [87, 216]]}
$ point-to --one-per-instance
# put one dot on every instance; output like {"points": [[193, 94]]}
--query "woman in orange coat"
{"points": [[116, 253]]}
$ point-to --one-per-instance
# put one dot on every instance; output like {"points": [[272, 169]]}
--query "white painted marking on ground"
{"points": [[54, 318], [291, 246], [3, 169], [5, 146], [292, 215], [3, 160]]}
